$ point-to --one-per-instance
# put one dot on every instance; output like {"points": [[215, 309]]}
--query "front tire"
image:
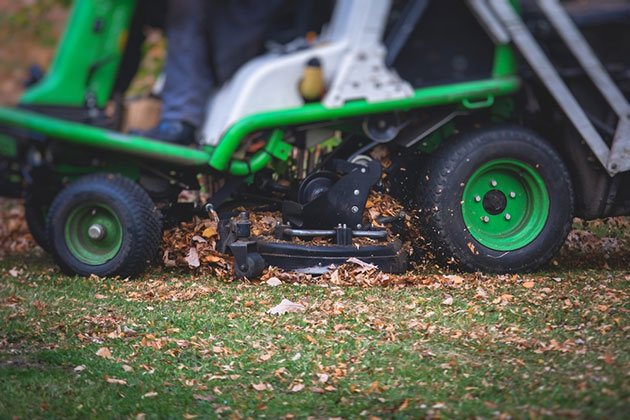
{"points": [[105, 225], [496, 200]]}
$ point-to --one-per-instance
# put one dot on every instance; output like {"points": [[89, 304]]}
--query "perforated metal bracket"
{"points": [[365, 76]]}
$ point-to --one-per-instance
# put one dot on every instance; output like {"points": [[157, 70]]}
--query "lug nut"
{"points": [[96, 231], [477, 199], [357, 192], [485, 219], [512, 194], [493, 183], [507, 216], [354, 209]]}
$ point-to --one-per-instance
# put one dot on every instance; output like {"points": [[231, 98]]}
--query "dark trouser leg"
{"points": [[188, 74]]}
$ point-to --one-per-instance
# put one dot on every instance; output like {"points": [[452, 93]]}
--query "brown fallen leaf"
{"points": [[209, 232], [286, 306], [274, 281], [297, 387], [115, 381], [192, 258], [404, 405], [260, 387], [528, 284], [150, 394], [448, 301], [104, 352]]}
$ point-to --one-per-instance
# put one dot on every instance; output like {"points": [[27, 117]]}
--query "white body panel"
{"points": [[351, 54]]}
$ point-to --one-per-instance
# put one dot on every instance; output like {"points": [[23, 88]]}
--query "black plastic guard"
{"points": [[316, 259]]}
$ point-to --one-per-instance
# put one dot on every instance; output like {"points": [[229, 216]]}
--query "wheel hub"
{"points": [[96, 231], [505, 204], [494, 202], [93, 233]]}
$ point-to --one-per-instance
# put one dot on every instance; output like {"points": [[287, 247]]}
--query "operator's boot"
{"points": [[171, 131]]}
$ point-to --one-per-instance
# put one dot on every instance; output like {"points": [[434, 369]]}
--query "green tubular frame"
{"points": [[87, 62], [310, 113], [221, 157], [86, 135]]}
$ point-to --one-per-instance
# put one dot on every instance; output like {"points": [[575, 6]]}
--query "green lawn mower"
{"points": [[501, 120]]}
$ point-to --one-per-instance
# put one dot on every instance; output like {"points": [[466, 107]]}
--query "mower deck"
{"points": [[316, 259]]}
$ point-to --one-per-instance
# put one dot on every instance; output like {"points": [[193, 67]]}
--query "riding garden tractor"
{"points": [[501, 120]]}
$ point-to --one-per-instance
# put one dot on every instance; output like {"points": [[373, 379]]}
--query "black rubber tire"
{"points": [[254, 268], [442, 182], [140, 221], [35, 215]]}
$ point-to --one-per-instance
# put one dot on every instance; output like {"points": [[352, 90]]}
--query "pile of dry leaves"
{"points": [[14, 235], [193, 245]]}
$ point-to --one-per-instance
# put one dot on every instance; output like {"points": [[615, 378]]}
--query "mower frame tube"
{"points": [[221, 158], [86, 135]]}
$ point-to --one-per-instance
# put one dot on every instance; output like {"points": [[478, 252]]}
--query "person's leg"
{"points": [[188, 73]]}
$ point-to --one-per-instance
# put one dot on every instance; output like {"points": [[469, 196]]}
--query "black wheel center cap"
{"points": [[494, 202]]}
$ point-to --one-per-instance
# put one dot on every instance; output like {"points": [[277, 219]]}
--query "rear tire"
{"points": [[105, 225], [497, 200]]}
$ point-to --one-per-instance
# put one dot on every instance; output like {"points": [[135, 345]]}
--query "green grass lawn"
{"points": [[174, 344]]}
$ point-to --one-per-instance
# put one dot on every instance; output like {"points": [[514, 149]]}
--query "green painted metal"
{"points": [[524, 209], [8, 146], [486, 102], [505, 62], [93, 251], [104, 139], [88, 56], [276, 147], [309, 113]]}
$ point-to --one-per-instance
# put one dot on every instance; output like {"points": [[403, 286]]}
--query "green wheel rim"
{"points": [[505, 204], [93, 233]]}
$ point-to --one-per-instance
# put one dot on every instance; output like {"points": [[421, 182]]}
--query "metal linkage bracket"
{"points": [[343, 202], [365, 76]]}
